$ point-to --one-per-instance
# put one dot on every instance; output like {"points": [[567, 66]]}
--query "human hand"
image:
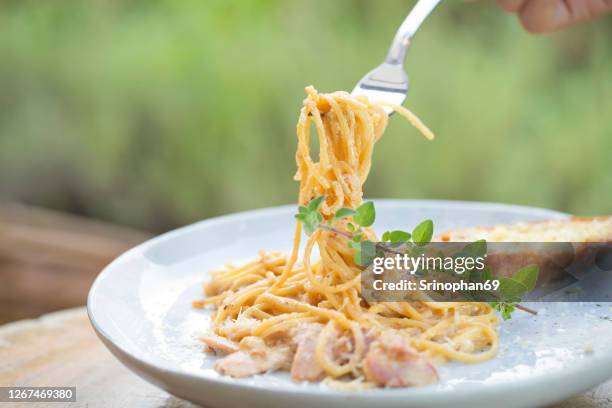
{"points": [[541, 16]]}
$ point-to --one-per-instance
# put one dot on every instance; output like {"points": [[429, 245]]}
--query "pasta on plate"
{"points": [[293, 312]]}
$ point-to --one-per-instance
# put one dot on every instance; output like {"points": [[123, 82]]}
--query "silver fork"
{"points": [[388, 82]]}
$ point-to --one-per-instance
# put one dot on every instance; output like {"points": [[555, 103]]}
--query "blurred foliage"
{"points": [[159, 113]]}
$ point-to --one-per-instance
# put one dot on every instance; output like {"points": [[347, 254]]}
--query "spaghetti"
{"points": [[277, 296]]}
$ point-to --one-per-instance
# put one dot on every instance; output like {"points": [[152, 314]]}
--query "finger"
{"points": [[584, 10], [539, 16], [511, 6]]}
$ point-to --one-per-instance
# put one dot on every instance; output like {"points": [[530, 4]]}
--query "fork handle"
{"points": [[403, 37]]}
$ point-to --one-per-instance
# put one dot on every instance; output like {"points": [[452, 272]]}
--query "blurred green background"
{"points": [[155, 114]]}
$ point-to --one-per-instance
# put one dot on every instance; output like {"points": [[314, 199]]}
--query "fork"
{"points": [[388, 82]]}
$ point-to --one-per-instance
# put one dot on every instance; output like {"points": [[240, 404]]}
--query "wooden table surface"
{"points": [[61, 349], [48, 260]]}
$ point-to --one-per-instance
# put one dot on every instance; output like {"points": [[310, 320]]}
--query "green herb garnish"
{"points": [[511, 289], [422, 233]]}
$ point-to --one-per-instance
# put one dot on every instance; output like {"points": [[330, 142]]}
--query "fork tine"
{"points": [[388, 82]]}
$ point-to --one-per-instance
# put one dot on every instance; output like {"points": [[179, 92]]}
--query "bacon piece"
{"points": [[254, 357], [369, 336], [390, 362], [239, 328], [305, 366], [219, 344]]}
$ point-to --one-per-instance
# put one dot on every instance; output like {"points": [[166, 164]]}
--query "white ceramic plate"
{"points": [[140, 306]]}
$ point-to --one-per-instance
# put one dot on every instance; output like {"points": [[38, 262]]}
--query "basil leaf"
{"points": [[399, 236], [511, 290], [343, 213], [504, 308], [528, 276], [476, 248], [422, 233], [367, 253], [315, 203], [365, 214]]}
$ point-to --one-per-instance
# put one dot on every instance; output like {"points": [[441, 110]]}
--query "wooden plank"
{"points": [[48, 237], [48, 286], [61, 349], [13, 213], [49, 260]]}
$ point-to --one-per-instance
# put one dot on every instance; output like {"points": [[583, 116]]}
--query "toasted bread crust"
{"points": [[602, 231], [553, 261]]}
